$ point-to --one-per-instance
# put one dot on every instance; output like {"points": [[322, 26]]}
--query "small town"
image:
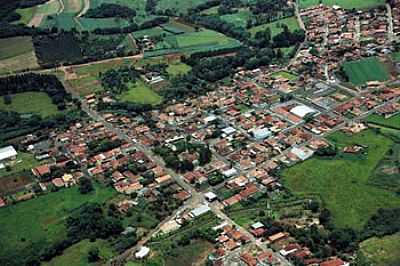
{"points": [[280, 164]]}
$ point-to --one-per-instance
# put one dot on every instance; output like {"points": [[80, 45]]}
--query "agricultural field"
{"points": [[141, 93], [391, 122], [238, 19], [384, 251], [364, 70], [358, 4], [346, 193], [204, 40], [276, 26], [12, 47], [37, 223], [24, 162], [39, 103], [33, 16], [178, 6], [77, 254]]}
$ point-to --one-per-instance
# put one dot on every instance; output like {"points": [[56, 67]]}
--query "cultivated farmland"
{"points": [[364, 70], [12, 47], [346, 193]]}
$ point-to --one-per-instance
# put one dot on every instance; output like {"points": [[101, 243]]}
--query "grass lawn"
{"points": [[24, 162], [77, 254], [202, 37], [15, 46], [39, 103], [392, 122], [364, 70], [284, 74], [39, 222], [178, 68], [383, 251], [141, 93], [346, 193], [238, 19], [276, 26], [358, 4]]}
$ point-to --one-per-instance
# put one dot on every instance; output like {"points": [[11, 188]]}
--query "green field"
{"points": [[177, 5], [141, 93], [77, 254], [28, 161], [383, 251], [39, 103], [15, 46], [358, 4], [396, 57], [178, 68], [276, 26], [238, 19], [48, 8], [39, 222], [284, 74], [364, 70], [392, 122], [346, 193]]}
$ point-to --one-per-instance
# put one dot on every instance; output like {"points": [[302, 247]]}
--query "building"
{"points": [[302, 110], [261, 133], [7, 154], [142, 253], [210, 196], [200, 210]]}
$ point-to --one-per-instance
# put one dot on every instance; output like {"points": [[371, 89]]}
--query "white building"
{"points": [[202, 209], [7, 154], [261, 133], [142, 253], [302, 110]]}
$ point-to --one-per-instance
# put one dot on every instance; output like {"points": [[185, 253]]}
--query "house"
{"points": [[41, 171], [277, 237], [335, 262], [7, 154], [210, 196], [142, 253]]}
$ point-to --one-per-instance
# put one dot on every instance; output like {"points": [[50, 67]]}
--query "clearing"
{"points": [[238, 19], [276, 26], [141, 93], [39, 103], [346, 193], [383, 251], [24, 162], [364, 70], [37, 223]]}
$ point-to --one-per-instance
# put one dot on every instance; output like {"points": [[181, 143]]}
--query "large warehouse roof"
{"points": [[302, 110], [7, 152]]}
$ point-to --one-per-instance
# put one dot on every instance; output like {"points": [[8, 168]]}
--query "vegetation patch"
{"points": [[368, 69], [12, 47], [24, 162], [276, 27], [139, 92], [239, 18], [384, 251], [284, 74], [346, 193], [39, 103], [392, 122]]}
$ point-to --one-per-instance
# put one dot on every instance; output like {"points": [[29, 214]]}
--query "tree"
{"points": [[7, 99], [93, 254], [85, 185]]}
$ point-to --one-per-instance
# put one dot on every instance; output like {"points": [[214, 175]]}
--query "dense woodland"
{"points": [[110, 11]]}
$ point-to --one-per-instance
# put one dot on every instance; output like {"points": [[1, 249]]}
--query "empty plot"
{"points": [[364, 70]]}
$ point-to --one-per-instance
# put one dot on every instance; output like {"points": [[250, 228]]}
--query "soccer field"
{"points": [[364, 70]]}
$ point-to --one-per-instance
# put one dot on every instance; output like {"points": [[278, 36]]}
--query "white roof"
{"points": [[257, 225], [302, 110], [7, 152], [229, 130], [229, 172], [210, 195], [202, 209], [143, 252], [303, 153], [261, 133]]}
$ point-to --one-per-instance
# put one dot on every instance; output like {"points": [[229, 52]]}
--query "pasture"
{"points": [[384, 251], [39, 103], [38, 223], [276, 26], [391, 122], [358, 4], [77, 254], [12, 47], [238, 19], [141, 93], [346, 193], [366, 69]]}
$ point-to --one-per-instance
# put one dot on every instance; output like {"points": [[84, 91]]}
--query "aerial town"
{"points": [[217, 133]]}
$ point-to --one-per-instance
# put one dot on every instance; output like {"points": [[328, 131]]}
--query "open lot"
{"points": [[383, 251], [37, 223], [24, 162], [177, 68], [364, 70], [346, 193], [284, 74], [276, 26], [39, 103], [77, 254], [358, 4], [10, 184], [141, 93]]}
